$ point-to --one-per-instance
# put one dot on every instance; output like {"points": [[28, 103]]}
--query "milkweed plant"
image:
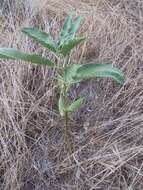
{"points": [[67, 74]]}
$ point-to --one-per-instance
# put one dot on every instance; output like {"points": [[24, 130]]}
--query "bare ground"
{"points": [[107, 131]]}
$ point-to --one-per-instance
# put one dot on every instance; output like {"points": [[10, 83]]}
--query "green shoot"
{"points": [[67, 74]]}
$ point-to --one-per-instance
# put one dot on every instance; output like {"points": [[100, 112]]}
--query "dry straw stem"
{"points": [[109, 146]]}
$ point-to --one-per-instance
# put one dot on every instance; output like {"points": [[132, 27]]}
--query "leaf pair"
{"points": [[67, 39], [69, 29]]}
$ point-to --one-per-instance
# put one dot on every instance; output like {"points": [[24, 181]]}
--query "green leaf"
{"points": [[74, 27], [76, 105], [9, 53], [66, 27], [88, 71], [61, 105], [65, 49], [42, 37], [70, 72]]}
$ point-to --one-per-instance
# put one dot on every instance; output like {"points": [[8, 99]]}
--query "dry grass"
{"points": [[108, 130]]}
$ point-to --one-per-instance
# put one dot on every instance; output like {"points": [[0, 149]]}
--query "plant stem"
{"points": [[68, 144], [66, 119]]}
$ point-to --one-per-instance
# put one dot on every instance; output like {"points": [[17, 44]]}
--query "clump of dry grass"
{"points": [[107, 131]]}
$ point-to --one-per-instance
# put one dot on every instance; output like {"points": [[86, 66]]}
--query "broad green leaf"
{"points": [[65, 49], [9, 53], [88, 71], [61, 105], [74, 27], [76, 105], [42, 37], [70, 72], [66, 27]]}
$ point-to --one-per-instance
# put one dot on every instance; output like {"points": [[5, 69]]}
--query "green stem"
{"points": [[66, 126], [66, 117], [67, 136]]}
